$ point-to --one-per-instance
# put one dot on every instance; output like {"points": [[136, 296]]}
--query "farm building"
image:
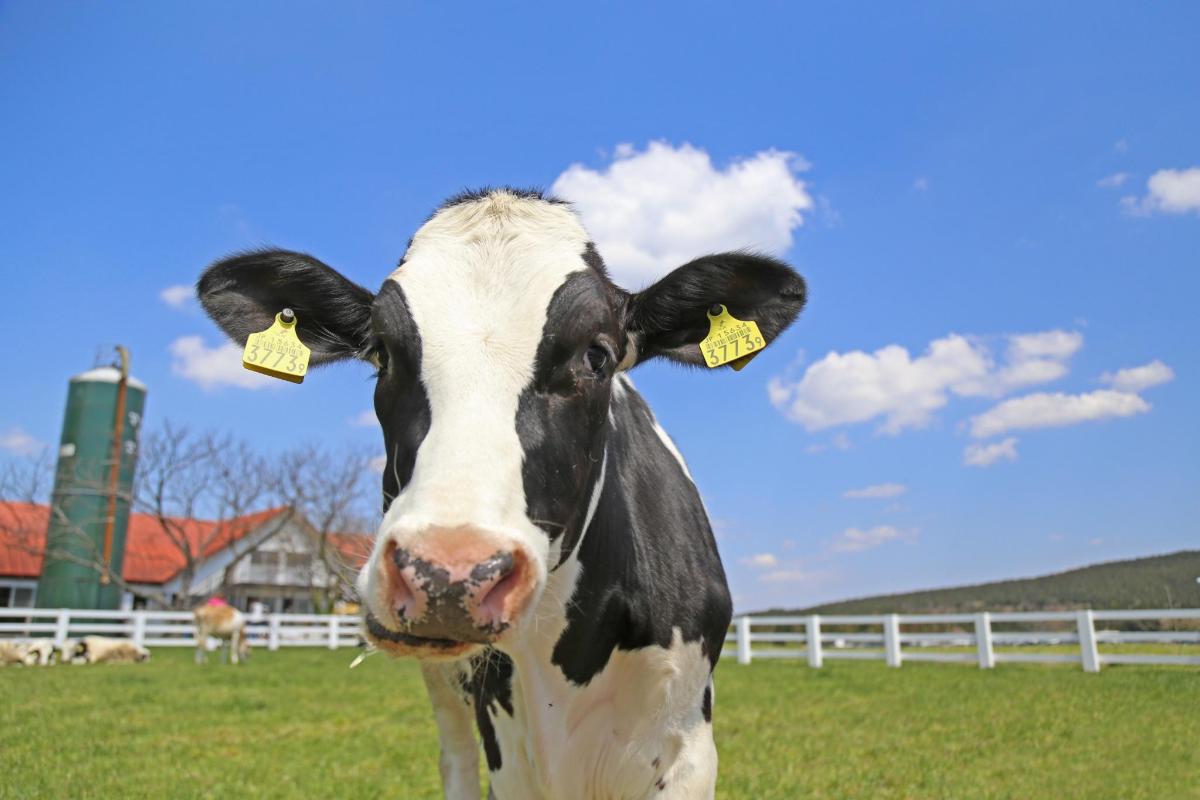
{"points": [[281, 564]]}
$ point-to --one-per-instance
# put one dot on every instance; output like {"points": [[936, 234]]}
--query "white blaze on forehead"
{"points": [[478, 279]]}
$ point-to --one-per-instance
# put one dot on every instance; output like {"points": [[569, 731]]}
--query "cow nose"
{"points": [[457, 588]]}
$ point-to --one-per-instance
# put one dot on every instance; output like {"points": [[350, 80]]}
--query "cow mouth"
{"points": [[383, 634]]}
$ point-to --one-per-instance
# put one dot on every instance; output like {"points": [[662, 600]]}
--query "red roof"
{"points": [[150, 554], [355, 548]]}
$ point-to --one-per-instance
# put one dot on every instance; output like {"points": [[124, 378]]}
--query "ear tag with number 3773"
{"points": [[730, 340], [278, 351]]}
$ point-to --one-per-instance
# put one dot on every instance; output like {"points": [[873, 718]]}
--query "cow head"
{"points": [[496, 341]]}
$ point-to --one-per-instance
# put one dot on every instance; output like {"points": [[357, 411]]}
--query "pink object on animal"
{"points": [[216, 601]]}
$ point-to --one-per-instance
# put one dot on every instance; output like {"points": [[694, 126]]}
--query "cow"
{"points": [[103, 650], [40, 652], [221, 622], [543, 552], [12, 652]]}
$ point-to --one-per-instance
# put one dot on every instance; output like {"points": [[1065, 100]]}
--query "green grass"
{"points": [[299, 724]]}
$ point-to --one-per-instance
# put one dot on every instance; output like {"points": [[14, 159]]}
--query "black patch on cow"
{"points": [[591, 257], [649, 560], [490, 684], [562, 416], [401, 403], [706, 704], [244, 292]]}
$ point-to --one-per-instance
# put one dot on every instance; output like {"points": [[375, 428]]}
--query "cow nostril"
{"points": [[498, 602], [400, 594]]}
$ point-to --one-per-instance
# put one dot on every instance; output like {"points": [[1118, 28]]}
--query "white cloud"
{"points": [[1135, 379], [1096, 542], [876, 492], [213, 367], [654, 210], [177, 296], [378, 464], [1113, 181], [845, 388], [921, 184], [984, 455], [1046, 410], [854, 540], [19, 442], [365, 419], [760, 561], [1169, 191]]}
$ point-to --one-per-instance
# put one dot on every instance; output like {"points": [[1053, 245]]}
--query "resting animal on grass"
{"points": [[221, 621], [13, 652], [544, 550], [40, 652], [102, 650]]}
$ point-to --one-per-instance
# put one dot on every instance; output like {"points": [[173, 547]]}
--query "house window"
{"points": [[297, 560], [16, 596]]}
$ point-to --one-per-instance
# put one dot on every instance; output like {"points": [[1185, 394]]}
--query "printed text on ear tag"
{"points": [[278, 351], [730, 340]]}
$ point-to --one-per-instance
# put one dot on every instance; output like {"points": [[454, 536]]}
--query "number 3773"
{"points": [[263, 356], [719, 354]]}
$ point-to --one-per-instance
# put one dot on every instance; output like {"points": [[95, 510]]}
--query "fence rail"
{"points": [[814, 638], [821, 637], [177, 628]]}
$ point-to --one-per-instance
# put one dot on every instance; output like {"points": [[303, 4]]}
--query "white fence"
{"points": [[176, 628], [898, 638], [817, 638]]}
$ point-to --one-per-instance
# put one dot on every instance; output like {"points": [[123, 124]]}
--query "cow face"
{"points": [[495, 342]]}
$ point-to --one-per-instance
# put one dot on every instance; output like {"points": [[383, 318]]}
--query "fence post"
{"points": [[812, 633], [743, 640], [139, 628], [983, 640], [333, 632], [62, 624], [891, 639], [273, 632], [1087, 641]]}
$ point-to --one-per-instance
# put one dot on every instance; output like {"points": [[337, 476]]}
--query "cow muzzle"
{"points": [[451, 589]]}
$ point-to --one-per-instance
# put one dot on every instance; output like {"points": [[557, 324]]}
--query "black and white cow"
{"points": [[543, 550]]}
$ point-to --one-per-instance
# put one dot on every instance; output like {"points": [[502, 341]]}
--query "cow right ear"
{"points": [[243, 294]]}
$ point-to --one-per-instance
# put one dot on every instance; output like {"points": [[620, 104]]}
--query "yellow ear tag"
{"points": [[278, 351], [730, 340]]}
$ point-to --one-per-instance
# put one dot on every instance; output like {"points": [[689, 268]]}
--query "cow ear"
{"points": [[243, 294], [670, 318]]}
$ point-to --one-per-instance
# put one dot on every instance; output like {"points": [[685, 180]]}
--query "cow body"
{"points": [[543, 548], [222, 622], [104, 650], [13, 653]]}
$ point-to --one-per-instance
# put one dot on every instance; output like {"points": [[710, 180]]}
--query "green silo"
{"points": [[90, 505]]}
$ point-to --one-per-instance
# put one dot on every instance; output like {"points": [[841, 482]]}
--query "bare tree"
{"points": [[332, 494], [184, 477]]}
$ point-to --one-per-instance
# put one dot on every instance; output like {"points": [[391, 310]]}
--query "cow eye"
{"points": [[596, 357], [380, 355]]}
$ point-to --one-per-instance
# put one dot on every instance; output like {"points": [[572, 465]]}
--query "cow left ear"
{"points": [[670, 318]]}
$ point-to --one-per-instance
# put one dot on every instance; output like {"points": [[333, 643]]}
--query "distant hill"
{"points": [[1166, 581]]}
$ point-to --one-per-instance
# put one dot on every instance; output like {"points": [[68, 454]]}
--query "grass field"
{"points": [[298, 723]]}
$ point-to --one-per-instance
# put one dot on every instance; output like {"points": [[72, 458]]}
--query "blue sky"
{"points": [[997, 210]]}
